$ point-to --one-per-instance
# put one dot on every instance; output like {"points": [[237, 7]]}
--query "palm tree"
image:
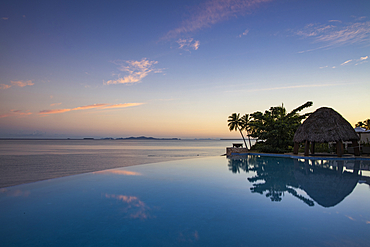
{"points": [[367, 124], [359, 124], [245, 126], [235, 123]]}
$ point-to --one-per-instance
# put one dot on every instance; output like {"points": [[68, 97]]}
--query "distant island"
{"points": [[148, 138]]}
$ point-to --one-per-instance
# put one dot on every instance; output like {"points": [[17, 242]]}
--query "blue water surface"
{"points": [[213, 201]]}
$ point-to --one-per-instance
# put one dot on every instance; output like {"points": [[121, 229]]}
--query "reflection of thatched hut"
{"points": [[322, 126], [327, 189]]}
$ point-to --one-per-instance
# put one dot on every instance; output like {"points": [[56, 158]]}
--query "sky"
{"points": [[176, 68]]}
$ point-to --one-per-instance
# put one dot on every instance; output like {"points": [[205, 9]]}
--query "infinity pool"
{"points": [[244, 201]]}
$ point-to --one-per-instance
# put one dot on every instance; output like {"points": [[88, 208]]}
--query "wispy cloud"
{"points": [[187, 44], [211, 12], [348, 61], [45, 112], [335, 21], [136, 70], [54, 104], [336, 34], [22, 83], [20, 113], [17, 83], [357, 61], [87, 107], [122, 105], [4, 86], [5, 18], [244, 33], [17, 113], [362, 60]]}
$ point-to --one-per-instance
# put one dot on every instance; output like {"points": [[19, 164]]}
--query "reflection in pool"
{"points": [[195, 203], [325, 181]]}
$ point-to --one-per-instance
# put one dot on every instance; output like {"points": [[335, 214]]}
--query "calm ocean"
{"points": [[25, 161]]}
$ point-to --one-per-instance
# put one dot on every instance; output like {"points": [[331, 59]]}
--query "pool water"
{"points": [[213, 201]]}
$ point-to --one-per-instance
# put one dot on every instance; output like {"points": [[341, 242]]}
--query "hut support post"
{"points": [[296, 147], [312, 147], [306, 148], [339, 148], [356, 148]]}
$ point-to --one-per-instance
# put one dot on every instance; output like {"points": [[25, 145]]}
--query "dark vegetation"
{"points": [[364, 124], [273, 128]]}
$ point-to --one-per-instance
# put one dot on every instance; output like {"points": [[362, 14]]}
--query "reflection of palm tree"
{"points": [[235, 123], [278, 177], [236, 163], [234, 166], [277, 174]]}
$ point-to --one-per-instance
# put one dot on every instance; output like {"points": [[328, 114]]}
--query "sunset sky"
{"points": [[176, 68]]}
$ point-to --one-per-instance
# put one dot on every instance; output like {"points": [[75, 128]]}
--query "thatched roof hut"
{"points": [[325, 125]]}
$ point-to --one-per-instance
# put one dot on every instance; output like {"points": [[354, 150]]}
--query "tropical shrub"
{"points": [[275, 128]]}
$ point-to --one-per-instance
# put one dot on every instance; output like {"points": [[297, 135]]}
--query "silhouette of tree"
{"points": [[235, 123], [276, 127], [365, 124]]}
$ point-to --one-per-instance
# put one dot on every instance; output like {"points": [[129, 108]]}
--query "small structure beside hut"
{"points": [[323, 126]]}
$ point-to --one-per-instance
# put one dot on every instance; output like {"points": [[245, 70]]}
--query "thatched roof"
{"points": [[325, 125]]}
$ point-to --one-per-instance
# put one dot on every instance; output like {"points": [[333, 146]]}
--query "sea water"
{"points": [[25, 161]]}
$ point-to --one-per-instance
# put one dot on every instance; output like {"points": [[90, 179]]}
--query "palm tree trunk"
{"points": [[243, 138]]}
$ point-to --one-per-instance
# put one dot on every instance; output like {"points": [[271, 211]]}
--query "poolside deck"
{"points": [[317, 156]]}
